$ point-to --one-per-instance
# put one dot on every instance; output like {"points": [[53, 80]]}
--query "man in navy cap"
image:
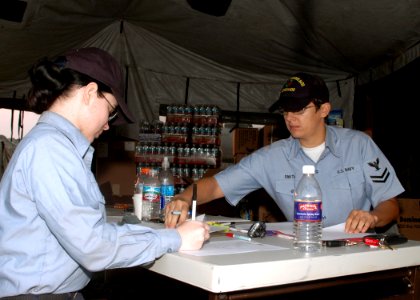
{"points": [[358, 183]]}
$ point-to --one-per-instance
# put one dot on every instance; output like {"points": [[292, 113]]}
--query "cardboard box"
{"points": [[116, 170], [269, 134], [245, 140], [409, 220]]}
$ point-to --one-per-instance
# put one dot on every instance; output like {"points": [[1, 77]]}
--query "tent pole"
{"points": [[238, 86], [187, 86]]}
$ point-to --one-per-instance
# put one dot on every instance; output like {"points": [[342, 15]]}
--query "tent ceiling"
{"points": [[276, 36], [263, 37], [256, 41]]}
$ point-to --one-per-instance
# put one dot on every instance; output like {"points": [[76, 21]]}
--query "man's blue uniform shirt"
{"points": [[352, 171]]}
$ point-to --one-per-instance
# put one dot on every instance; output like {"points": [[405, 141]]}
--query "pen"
{"points": [[238, 230], [194, 206], [238, 237], [280, 234], [194, 202]]}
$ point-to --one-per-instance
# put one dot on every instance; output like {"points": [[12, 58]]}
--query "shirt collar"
{"points": [[80, 142], [330, 143]]}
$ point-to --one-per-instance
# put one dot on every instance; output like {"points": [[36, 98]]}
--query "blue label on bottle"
{"points": [[308, 211], [167, 190], [166, 195]]}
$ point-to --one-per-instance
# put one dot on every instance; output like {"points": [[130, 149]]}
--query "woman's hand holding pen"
{"points": [[193, 234], [176, 212]]}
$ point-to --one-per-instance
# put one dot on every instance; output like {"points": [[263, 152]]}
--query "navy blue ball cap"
{"points": [[299, 90], [100, 65]]}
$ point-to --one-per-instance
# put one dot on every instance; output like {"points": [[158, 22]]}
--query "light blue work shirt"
{"points": [[352, 172], [53, 229]]}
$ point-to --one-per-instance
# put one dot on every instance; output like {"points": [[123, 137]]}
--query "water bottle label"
{"points": [[167, 190], [308, 211], [167, 193], [151, 193]]}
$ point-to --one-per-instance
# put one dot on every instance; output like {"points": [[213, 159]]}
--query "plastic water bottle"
{"points": [[308, 212], [151, 197], [138, 197], [167, 184], [138, 191]]}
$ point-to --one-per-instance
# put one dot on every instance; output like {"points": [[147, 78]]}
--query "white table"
{"points": [[248, 275], [269, 272]]}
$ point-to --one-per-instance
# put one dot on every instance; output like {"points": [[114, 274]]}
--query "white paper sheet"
{"points": [[335, 232], [231, 247]]}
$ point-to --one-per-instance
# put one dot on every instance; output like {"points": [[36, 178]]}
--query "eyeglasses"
{"points": [[113, 113], [298, 113]]}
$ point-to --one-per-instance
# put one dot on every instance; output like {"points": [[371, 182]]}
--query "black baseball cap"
{"points": [[101, 66], [299, 90]]}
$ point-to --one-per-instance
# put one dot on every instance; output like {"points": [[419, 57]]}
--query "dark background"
{"points": [[390, 108]]}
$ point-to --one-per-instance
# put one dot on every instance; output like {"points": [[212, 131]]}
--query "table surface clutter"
{"points": [[226, 264]]}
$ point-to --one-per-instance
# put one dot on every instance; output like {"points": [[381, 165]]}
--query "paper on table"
{"points": [[202, 218], [231, 247], [335, 232], [220, 220]]}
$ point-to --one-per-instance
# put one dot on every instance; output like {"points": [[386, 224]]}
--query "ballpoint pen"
{"points": [[238, 230], [280, 234], [238, 237], [194, 202]]}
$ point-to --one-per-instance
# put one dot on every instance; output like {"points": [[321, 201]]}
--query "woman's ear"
{"points": [[91, 92]]}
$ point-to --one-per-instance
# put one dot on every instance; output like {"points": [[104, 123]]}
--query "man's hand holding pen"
{"points": [[176, 212]]}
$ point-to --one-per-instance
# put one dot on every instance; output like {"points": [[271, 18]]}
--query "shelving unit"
{"points": [[190, 138]]}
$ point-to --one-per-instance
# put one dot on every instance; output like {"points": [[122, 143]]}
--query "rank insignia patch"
{"points": [[375, 164], [380, 178]]}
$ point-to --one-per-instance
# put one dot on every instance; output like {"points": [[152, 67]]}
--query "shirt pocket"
{"points": [[348, 180], [350, 187], [284, 197], [285, 187], [340, 182]]}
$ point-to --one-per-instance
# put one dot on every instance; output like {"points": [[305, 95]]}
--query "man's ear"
{"points": [[325, 109]]}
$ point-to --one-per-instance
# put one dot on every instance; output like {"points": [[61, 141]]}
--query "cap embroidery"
{"points": [[302, 84], [288, 90]]}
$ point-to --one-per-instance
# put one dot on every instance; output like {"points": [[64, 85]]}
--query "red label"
{"points": [[308, 211], [308, 207]]}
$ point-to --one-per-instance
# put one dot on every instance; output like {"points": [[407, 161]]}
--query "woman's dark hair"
{"points": [[51, 79]]}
